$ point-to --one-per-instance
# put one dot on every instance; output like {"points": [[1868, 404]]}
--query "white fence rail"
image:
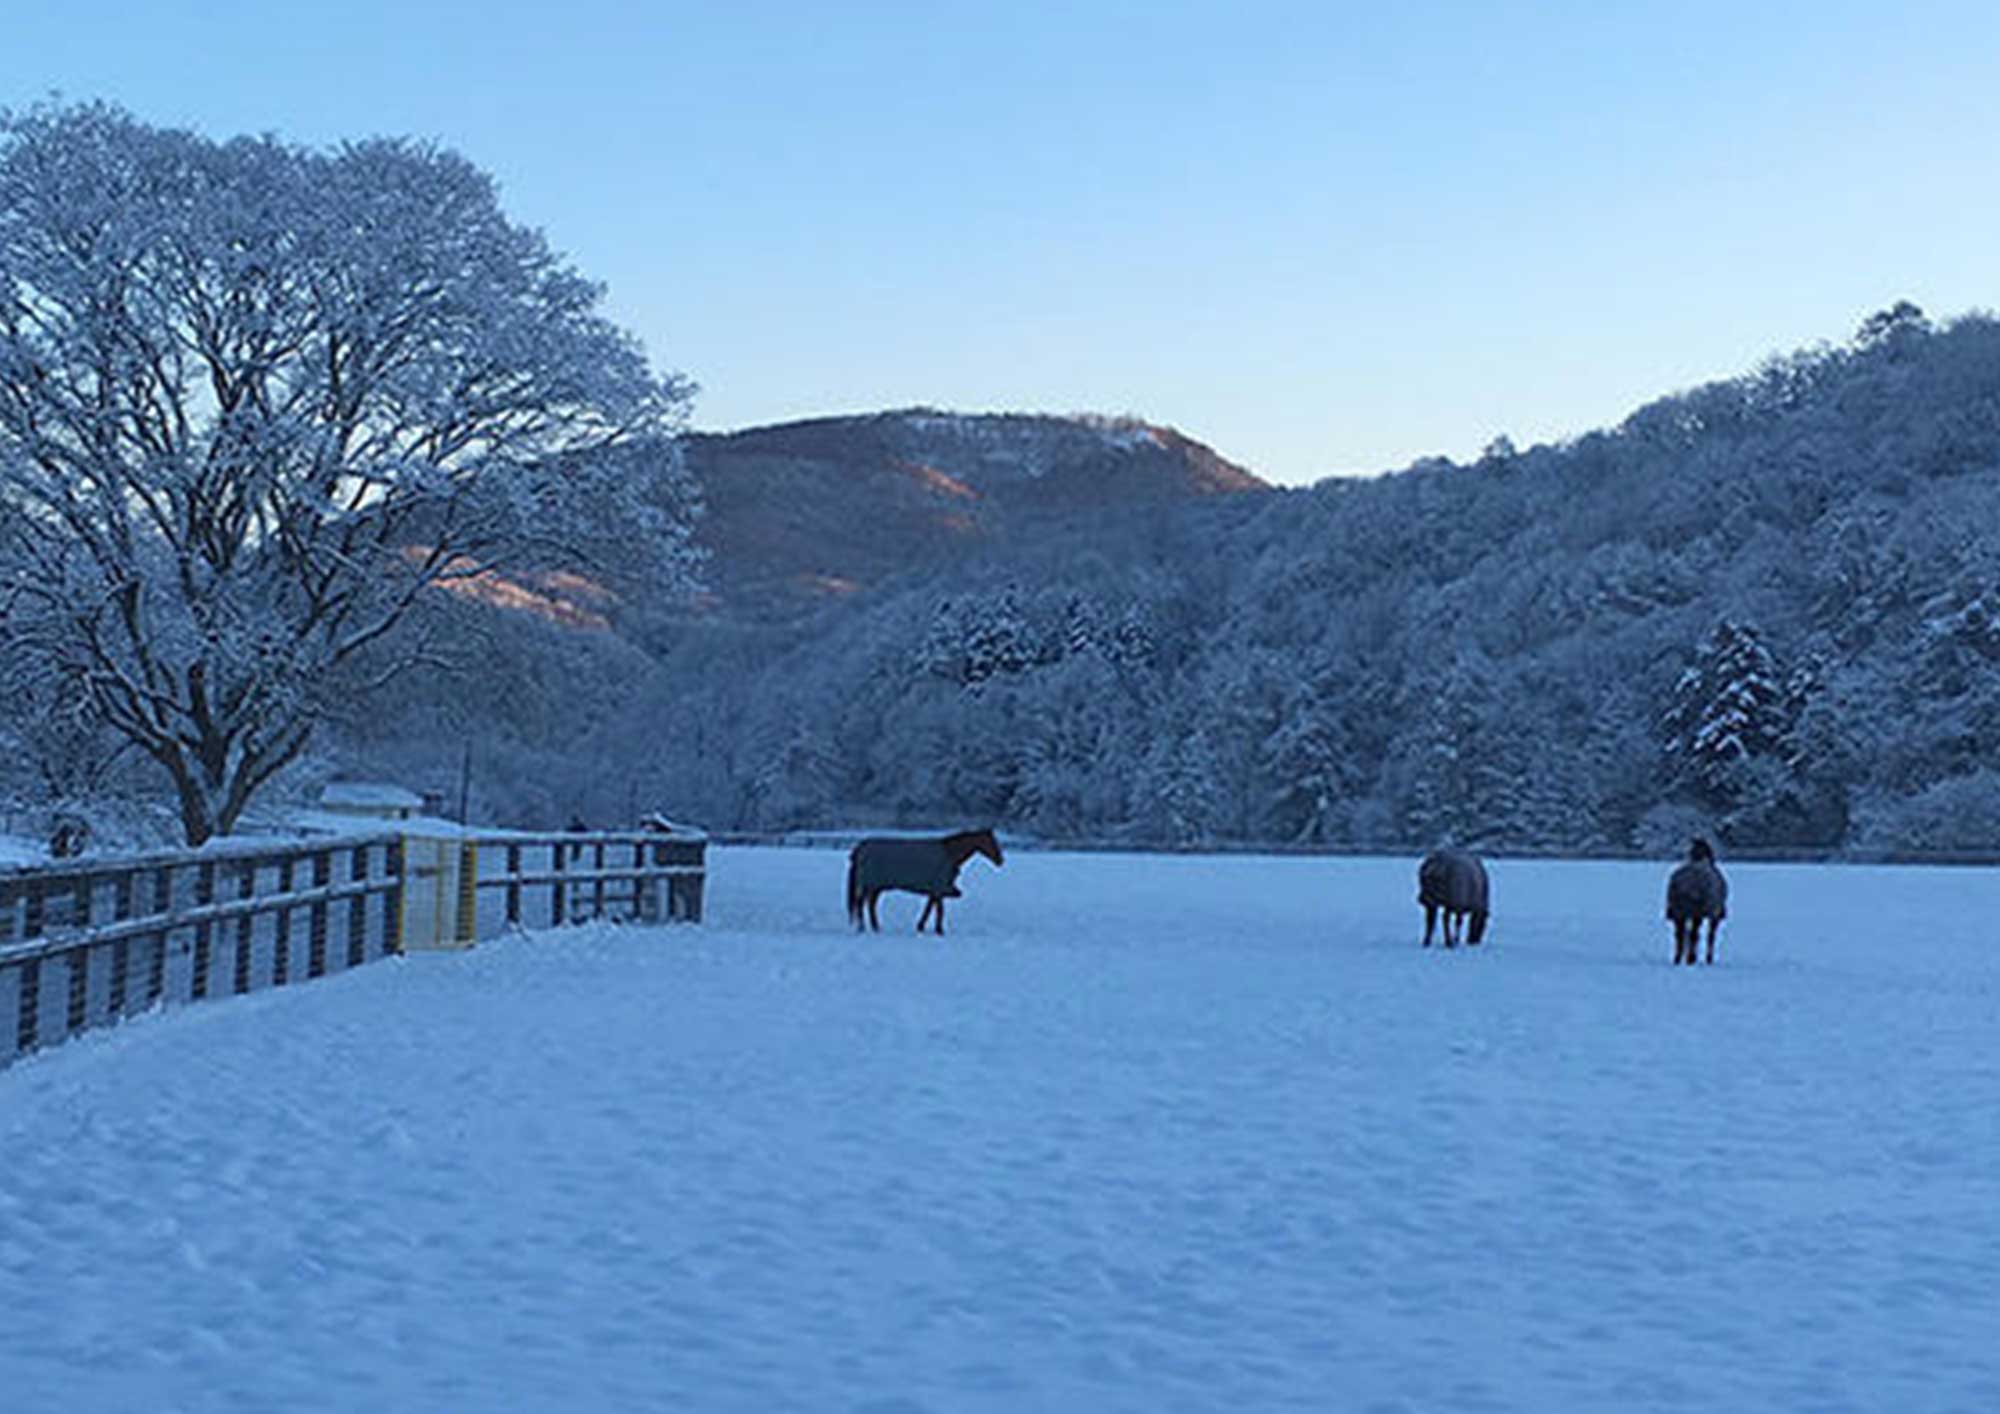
{"points": [[87, 943]]}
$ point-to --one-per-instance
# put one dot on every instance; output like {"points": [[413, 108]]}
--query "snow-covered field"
{"points": [[1139, 1134]]}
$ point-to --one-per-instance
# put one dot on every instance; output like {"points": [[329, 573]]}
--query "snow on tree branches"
{"points": [[255, 400], [1741, 739]]}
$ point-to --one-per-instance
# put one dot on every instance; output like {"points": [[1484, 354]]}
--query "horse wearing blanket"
{"points": [[1696, 893], [918, 866], [1452, 882]]}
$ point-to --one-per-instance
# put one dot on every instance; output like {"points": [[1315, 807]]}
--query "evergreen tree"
{"points": [[1730, 707], [942, 652], [1310, 763], [1133, 642], [1082, 627], [1746, 738]]}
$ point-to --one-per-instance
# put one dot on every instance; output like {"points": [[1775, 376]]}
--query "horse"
{"points": [[918, 866], [1453, 882], [1696, 893]]}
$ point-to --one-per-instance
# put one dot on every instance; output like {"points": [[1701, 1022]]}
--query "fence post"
{"points": [[317, 927], [204, 895], [246, 926], [560, 887], [156, 965], [357, 911], [392, 902], [13, 913], [27, 1031], [121, 951], [467, 929], [10, 1012], [281, 947], [80, 958], [513, 883]]}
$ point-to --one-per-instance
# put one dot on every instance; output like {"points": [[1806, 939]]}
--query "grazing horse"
{"points": [[918, 866], [1454, 882], [1696, 892]]}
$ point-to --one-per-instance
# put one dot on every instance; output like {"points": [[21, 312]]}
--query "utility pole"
{"points": [[464, 780]]}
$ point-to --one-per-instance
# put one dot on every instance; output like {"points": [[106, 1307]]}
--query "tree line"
{"points": [[1766, 608], [260, 405]]}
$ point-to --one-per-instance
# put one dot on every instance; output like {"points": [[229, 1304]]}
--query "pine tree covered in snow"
{"points": [[1731, 708]]}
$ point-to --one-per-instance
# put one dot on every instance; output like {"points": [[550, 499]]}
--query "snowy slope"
{"points": [[1140, 1134]]}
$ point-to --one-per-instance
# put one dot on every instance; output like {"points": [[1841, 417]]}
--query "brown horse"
{"points": [[918, 866], [1696, 893], [1453, 882]]}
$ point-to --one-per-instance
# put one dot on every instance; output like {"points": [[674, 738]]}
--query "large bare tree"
{"points": [[257, 400]]}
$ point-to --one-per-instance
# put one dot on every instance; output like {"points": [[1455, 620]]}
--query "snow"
{"points": [[1141, 1133], [18, 851], [369, 795]]}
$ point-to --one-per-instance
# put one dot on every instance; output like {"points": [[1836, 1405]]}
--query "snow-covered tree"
{"points": [[1758, 743], [1901, 320], [792, 775], [997, 641], [1730, 707], [1280, 666], [1312, 764], [256, 400], [1082, 629], [942, 652], [1458, 789], [1133, 642], [1178, 796]]}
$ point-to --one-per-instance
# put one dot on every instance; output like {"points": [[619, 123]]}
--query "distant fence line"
{"points": [[86, 943]]}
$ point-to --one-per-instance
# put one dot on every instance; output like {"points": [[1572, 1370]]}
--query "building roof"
{"points": [[375, 795]]}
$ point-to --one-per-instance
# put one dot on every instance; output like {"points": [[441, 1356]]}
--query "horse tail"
{"points": [[854, 889]]}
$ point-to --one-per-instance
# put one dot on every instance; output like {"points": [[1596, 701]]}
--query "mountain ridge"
{"points": [[821, 508]]}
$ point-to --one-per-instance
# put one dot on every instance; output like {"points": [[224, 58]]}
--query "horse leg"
{"points": [[874, 919], [1451, 927], [940, 914], [930, 901], [1680, 941], [1713, 924], [1430, 921]]}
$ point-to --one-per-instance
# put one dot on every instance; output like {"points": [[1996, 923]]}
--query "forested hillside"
{"points": [[1768, 607]]}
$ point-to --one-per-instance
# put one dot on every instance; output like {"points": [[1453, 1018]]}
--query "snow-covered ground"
{"points": [[1139, 1134], [19, 851]]}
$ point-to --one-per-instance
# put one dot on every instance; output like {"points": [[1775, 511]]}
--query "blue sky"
{"points": [[1321, 238]]}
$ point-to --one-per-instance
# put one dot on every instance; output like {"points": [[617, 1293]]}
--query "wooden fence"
{"points": [[88, 943]]}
